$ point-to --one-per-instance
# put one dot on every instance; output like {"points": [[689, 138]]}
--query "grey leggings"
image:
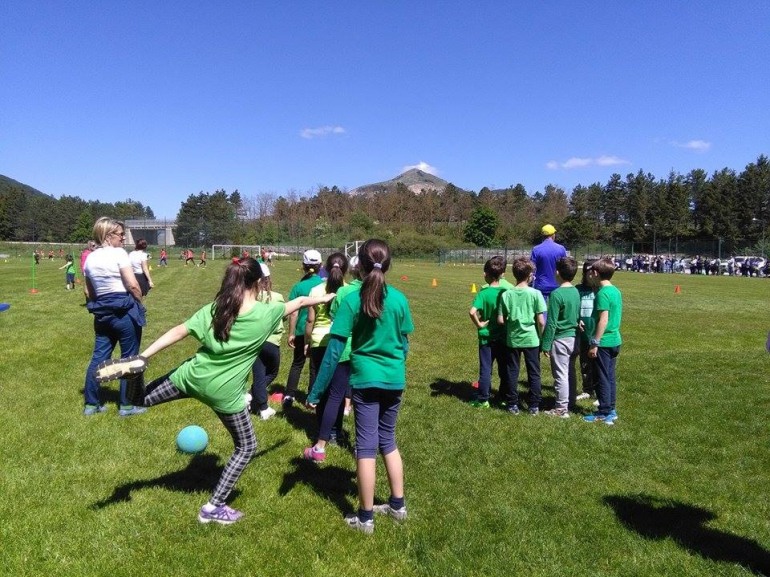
{"points": [[239, 425]]}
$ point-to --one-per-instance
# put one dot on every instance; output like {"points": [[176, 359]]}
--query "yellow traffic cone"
{"points": [[473, 289], [434, 284]]}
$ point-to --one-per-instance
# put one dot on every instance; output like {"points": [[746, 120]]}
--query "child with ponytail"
{"points": [[378, 319], [330, 406], [232, 330]]}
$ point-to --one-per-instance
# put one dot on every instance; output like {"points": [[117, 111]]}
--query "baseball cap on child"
{"points": [[548, 230], [265, 269], [311, 257]]}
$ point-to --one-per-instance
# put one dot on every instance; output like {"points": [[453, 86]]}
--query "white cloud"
{"points": [[695, 145], [424, 166], [321, 131], [579, 162]]}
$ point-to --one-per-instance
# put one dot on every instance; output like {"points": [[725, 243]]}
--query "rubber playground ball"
{"points": [[192, 439]]}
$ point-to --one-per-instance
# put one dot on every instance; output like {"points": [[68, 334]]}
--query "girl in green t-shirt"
{"points": [[330, 408], [231, 331], [378, 320]]}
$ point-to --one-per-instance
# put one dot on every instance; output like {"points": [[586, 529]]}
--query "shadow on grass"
{"points": [[302, 420], [200, 474], [462, 390], [660, 519], [329, 482]]}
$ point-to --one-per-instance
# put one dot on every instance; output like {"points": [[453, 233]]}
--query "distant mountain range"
{"points": [[415, 180]]}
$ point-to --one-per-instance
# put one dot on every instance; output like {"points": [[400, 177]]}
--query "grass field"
{"points": [[678, 487]]}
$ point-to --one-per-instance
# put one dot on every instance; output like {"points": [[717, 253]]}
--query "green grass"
{"points": [[678, 487]]}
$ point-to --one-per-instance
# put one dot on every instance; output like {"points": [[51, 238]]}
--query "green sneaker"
{"points": [[480, 404]]}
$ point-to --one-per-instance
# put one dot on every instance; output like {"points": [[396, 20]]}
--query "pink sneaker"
{"points": [[312, 455]]}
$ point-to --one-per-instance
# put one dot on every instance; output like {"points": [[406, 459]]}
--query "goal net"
{"points": [[233, 250]]}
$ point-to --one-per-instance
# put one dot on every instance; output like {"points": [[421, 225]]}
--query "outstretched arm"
{"points": [[166, 340], [302, 302]]}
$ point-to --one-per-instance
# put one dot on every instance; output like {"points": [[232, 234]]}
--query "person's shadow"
{"points": [[659, 519], [201, 474], [329, 482], [462, 390]]}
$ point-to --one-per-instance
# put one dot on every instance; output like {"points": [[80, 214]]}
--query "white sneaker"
{"points": [[583, 397], [267, 413], [596, 403]]}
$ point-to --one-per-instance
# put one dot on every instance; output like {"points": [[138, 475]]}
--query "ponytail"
{"points": [[240, 276], [374, 262], [336, 267]]}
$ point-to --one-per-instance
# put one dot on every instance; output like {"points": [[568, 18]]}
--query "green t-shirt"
{"points": [[302, 289], [275, 337], [378, 355], [608, 298], [218, 372], [319, 336], [563, 315], [485, 303], [353, 286], [587, 297], [520, 307], [502, 283]]}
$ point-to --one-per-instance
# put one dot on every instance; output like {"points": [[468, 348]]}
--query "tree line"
{"points": [[30, 216], [639, 207]]}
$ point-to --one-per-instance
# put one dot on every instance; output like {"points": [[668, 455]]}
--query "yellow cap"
{"points": [[548, 230]]}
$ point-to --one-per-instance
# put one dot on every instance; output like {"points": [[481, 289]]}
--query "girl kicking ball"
{"points": [[231, 331]]}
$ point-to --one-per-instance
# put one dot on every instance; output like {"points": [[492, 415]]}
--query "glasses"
{"points": [[121, 234]]}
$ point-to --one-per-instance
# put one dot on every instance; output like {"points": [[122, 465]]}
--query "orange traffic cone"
{"points": [[473, 289], [677, 289], [434, 284]]}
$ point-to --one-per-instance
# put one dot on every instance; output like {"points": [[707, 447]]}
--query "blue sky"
{"points": [[155, 101]]}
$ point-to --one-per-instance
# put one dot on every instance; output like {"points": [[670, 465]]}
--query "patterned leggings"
{"points": [[239, 425]]}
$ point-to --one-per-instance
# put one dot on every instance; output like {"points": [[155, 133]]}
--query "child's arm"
{"points": [[478, 323], [309, 328], [292, 326], [540, 324], [166, 340], [601, 326], [294, 305]]}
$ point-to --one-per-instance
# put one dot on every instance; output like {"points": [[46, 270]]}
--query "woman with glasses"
{"points": [[114, 298]]}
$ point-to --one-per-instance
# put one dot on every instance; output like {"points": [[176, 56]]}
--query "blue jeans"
{"points": [[489, 353], [606, 359], [532, 362], [109, 333]]}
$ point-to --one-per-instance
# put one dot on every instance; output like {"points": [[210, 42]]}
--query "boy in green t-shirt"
{"points": [[491, 334], [587, 365], [521, 312], [604, 346], [559, 336]]}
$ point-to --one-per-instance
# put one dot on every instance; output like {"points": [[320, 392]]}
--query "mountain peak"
{"points": [[414, 179]]}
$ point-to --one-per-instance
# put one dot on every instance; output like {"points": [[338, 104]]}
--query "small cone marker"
{"points": [[473, 289], [434, 284], [677, 289]]}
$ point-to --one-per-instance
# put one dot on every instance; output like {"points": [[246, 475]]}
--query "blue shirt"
{"points": [[544, 256]]}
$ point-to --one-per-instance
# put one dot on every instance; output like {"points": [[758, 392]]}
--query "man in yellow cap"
{"points": [[545, 256]]}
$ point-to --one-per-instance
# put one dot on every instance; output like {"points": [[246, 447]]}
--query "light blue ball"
{"points": [[192, 439]]}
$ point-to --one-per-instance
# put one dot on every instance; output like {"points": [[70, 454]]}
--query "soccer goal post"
{"points": [[235, 250], [351, 248]]}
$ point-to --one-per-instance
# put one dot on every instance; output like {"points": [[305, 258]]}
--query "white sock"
{"points": [[318, 449], [208, 507]]}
